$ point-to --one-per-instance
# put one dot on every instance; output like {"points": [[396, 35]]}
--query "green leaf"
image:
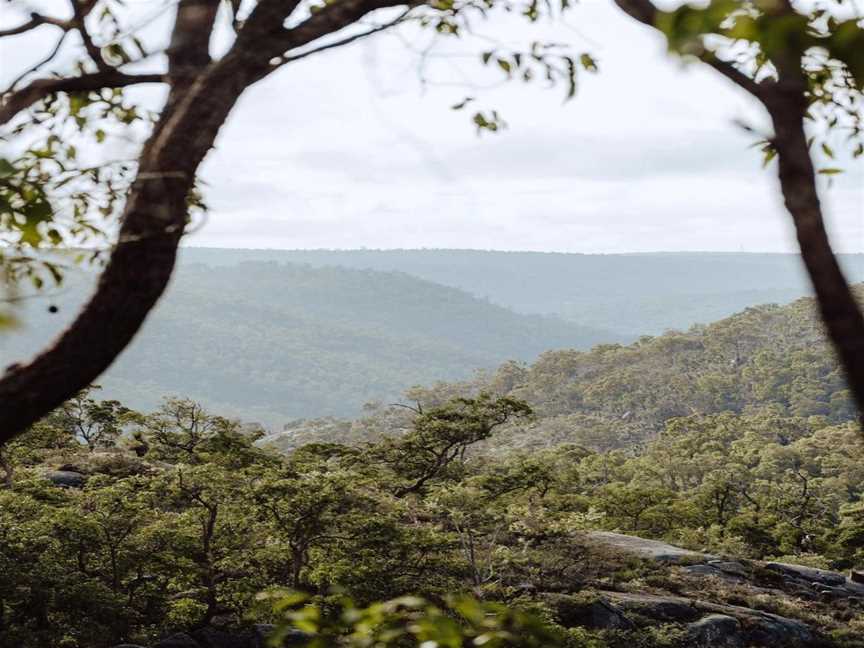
{"points": [[588, 62], [6, 168]]}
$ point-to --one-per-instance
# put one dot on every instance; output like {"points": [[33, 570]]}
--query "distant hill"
{"points": [[272, 336], [270, 342], [766, 360], [632, 294]]}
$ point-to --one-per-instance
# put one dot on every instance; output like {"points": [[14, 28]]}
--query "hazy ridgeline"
{"points": [[630, 294], [271, 336]]}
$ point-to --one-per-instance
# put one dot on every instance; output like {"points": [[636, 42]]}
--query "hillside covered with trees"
{"points": [[271, 342], [767, 360], [251, 335], [631, 294]]}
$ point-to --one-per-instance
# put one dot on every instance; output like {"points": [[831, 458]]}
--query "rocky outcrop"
{"points": [[660, 608], [66, 478], [714, 602], [715, 631], [644, 548], [730, 603], [594, 612], [822, 582], [707, 624], [800, 580]]}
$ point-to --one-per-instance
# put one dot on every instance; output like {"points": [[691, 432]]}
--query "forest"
{"points": [[269, 342], [127, 527], [766, 359], [271, 336]]}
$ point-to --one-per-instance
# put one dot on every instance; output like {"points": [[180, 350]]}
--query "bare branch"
{"points": [[37, 65], [642, 10], [260, 43], [418, 409], [344, 41], [80, 21], [36, 20], [735, 75]]}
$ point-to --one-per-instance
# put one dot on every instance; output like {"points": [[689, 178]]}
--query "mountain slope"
{"points": [[766, 359], [633, 294], [271, 342]]}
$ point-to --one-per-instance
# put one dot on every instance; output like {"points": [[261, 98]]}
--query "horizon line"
{"points": [[501, 250]]}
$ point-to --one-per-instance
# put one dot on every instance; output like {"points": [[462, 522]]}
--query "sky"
{"points": [[358, 147]]}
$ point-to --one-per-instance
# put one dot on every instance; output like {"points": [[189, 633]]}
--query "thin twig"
{"points": [[344, 41], [38, 65]]}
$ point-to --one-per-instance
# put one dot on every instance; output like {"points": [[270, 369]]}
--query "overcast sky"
{"points": [[349, 149]]}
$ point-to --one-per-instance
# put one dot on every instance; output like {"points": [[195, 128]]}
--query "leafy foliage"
{"points": [[768, 360], [185, 517]]}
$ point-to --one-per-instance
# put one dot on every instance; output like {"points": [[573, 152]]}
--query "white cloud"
{"points": [[348, 149]]}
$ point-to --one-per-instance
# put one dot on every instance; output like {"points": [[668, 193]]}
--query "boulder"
{"points": [[715, 630], [773, 630], [663, 608], [703, 570], [66, 478], [854, 588], [729, 571], [730, 567], [594, 612], [757, 628], [809, 574], [766, 629], [651, 549]]}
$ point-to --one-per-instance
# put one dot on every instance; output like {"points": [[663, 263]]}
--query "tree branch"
{"points": [[290, 58], [272, 44], [36, 20], [735, 75], [189, 50], [142, 262], [41, 88], [646, 12], [33, 68], [81, 11], [155, 214]]}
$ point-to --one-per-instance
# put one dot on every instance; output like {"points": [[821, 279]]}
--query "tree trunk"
{"points": [[142, 262], [838, 307]]}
